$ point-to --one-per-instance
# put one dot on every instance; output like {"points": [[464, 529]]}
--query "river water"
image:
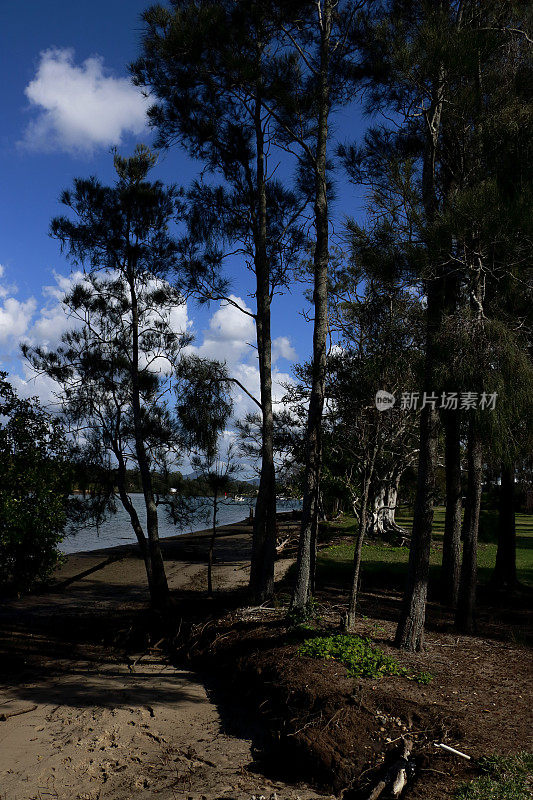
{"points": [[117, 529]]}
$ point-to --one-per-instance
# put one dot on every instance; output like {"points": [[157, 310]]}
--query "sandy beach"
{"points": [[83, 717]]}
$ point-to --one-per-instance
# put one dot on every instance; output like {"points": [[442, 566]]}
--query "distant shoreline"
{"points": [[130, 547], [229, 529]]}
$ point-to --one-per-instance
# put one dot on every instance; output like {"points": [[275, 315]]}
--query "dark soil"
{"points": [[340, 733]]}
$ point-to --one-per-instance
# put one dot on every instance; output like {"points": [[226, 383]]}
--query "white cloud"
{"points": [[228, 339], [53, 320], [5, 289], [31, 385], [179, 319], [15, 317], [230, 333], [81, 107], [282, 348]]}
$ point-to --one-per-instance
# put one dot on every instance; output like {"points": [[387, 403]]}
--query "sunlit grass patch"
{"points": [[387, 564]]}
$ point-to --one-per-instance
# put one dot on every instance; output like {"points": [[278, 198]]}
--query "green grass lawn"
{"points": [[386, 564]]}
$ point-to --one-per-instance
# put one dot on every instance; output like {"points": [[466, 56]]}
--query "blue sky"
{"points": [[67, 100]]}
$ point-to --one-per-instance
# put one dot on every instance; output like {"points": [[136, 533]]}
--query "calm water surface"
{"points": [[117, 529]]}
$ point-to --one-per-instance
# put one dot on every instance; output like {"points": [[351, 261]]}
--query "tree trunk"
{"points": [[134, 517], [300, 595], [352, 605], [264, 530], [504, 576], [381, 516], [375, 514], [159, 587], [410, 631], [314, 550], [464, 618], [212, 548], [391, 502], [451, 550]]}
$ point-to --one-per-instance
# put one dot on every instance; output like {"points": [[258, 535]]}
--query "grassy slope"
{"points": [[387, 564]]}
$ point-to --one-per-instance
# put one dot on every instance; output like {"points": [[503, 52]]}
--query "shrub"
{"points": [[34, 489]]}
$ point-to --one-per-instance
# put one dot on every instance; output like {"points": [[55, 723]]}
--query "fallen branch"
{"points": [[4, 717]]}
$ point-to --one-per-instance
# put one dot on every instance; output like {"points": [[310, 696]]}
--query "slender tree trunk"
{"points": [[410, 631], [212, 547], [464, 618], [159, 587], [300, 594], [264, 530], [352, 605], [134, 518], [314, 549], [504, 576], [451, 550]]}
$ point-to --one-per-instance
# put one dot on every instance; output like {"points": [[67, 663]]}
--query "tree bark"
{"points": [[300, 595], [264, 530], [391, 502], [314, 551], [159, 587], [212, 547], [410, 631], [134, 517], [464, 618], [504, 576], [451, 550]]}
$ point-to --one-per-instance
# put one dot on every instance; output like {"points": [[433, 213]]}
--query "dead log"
{"points": [[395, 779]]}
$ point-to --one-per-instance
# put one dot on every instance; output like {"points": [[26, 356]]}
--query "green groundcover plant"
{"points": [[360, 657]]}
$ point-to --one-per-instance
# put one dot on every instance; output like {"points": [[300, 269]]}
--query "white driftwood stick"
{"points": [[454, 751]]}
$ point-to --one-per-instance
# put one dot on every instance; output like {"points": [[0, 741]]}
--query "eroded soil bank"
{"points": [[341, 732]]}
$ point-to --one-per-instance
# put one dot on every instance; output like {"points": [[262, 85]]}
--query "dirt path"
{"points": [[95, 725]]}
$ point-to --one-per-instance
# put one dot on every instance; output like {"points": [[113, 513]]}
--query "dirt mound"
{"points": [[319, 723]]}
